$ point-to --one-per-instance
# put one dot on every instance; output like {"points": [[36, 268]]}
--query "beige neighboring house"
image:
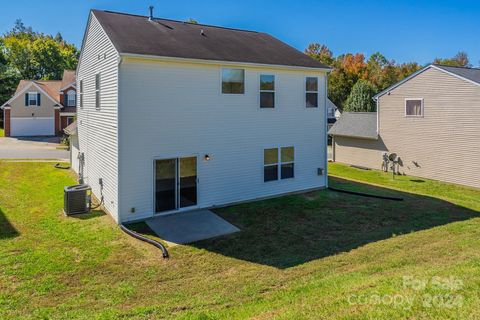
{"points": [[431, 120], [41, 107]]}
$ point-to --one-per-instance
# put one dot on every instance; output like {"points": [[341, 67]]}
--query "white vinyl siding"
{"points": [[97, 129], [159, 121]]}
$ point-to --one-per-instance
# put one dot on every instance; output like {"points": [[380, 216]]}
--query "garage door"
{"points": [[23, 127]]}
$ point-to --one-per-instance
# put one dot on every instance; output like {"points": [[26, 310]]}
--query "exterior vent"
{"points": [[150, 17], [77, 199]]}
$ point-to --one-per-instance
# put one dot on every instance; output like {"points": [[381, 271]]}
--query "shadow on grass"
{"points": [[7, 230], [289, 231], [87, 216]]}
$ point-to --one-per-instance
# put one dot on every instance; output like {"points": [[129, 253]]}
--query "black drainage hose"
{"points": [[365, 194], [59, 166], [148, 240]]}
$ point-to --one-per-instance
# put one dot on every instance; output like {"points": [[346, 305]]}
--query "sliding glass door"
{"points": [[165, 185], [188, 182], [175, 183]]}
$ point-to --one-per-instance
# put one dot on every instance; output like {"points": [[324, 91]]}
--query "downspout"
{"points": [[326, 130]]}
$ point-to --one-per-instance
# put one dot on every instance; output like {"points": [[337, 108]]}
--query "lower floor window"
{"points": [[278, 163]]}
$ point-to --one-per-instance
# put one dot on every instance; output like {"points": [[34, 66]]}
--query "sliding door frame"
{"points": [[177, 185]]}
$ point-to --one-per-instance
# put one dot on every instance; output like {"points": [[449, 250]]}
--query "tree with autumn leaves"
{"points": [[354, 79]]}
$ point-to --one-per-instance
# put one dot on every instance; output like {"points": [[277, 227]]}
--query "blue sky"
{"points": [[402, 30]]}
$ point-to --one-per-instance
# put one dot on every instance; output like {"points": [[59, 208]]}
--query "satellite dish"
{"points": [[392, 157]]}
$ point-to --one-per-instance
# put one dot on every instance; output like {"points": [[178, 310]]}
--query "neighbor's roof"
{"points": [[468, 74], [68, 78], [134, 34], [356, 125], [71, 129], [51, 87], [472, 74]]}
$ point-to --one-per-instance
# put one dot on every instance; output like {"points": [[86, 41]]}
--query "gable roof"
{"points": [[47, 87], [356, 125], [67, 79], [471, 75], [135, 34]]}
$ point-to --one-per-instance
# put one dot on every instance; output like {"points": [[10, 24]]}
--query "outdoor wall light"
{"points": [[207, 157]]}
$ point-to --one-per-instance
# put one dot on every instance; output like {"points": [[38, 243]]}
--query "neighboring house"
{"points": [[41, 107], [175, 116], [333, 113], [430, 120]]}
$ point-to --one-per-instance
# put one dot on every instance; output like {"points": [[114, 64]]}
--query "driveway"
{"points": [[32, 148]]}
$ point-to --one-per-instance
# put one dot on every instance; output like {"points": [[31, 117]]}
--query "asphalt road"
{"points": [[32, 148]]}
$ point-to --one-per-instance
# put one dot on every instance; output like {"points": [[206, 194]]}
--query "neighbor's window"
{"points": [[311, 92], [267, 91], [414, 107], [71, 97], [97, 91], [331, 112], [70, 120], [278, 162], [33, 99], [233, 81], [81, 94]]}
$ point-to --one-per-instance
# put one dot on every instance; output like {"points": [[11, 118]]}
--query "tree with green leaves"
{"points": [[361, 98], [459, 60], [320, 53], [26, 54]]}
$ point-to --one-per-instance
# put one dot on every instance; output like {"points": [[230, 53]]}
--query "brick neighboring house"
{"points": [[41, 107]]}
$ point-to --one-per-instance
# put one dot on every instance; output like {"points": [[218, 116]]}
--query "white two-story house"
{"points": [[175, 116]]}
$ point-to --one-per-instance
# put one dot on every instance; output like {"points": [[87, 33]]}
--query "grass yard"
{"points": [[2, 132], [319, 255]]}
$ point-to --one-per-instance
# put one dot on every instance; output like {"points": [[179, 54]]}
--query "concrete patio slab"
{"points": [[192, 226]]}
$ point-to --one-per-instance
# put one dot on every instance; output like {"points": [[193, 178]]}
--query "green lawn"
{"points": [[312, 256], [2, 133]]}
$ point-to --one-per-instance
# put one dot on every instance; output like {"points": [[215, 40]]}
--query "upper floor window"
{"points": [[32, 99], [414, 107], [311, 92], [233, 81], [267, 91], [71, 98], [97, 91], [81, 94]]}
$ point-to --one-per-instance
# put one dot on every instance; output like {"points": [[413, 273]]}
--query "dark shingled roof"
{"points": [[168, 38], [472, 74], [356, 124]]}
